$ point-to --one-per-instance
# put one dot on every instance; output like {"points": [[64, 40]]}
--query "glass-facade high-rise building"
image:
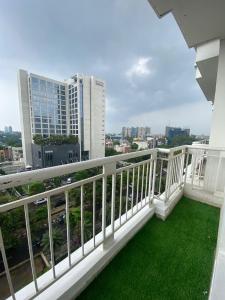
{"points": [[47, 107], [72, 107]]}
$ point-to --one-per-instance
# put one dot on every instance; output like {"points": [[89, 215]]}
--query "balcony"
{"points": [[102, 210], [165, 260]]}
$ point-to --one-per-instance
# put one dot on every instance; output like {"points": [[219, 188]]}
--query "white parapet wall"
{"points": [[217, 290], [164, 208]]}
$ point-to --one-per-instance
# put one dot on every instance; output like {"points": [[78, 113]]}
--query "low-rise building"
{"points": [[142, 145], [123, 148], [136, 132], [6, 154], [17, 153], [52, 155], [109, 144]]}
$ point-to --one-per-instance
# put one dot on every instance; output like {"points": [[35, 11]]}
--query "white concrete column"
{"points": [[24, 106], [215, 166], [217, 135]]}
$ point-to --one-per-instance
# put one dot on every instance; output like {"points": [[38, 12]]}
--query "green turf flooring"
{"points": [[166, 260]]}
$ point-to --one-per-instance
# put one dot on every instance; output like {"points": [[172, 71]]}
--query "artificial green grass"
{"points": [[166, 260]]}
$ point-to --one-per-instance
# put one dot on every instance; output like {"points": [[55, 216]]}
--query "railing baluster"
{"points": [[146, 181], [142, 183], [150, 181], [113, 202], [186, 167], [82, 217], [160, 176], [193, 168], [33, 269], [4, 258], [128, 172], [104, 190], [50, 236], [176, 170], [132, 195], [68, 226], [172, 178], [94, 199], [179, 171], [153, 179], [168, 176], [182, 167], [121, 194], [138, 182]]}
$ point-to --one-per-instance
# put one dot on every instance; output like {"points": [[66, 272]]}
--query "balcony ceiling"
{"points": [[194, 18]]}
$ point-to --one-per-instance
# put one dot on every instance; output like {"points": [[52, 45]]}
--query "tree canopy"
{"points": [[55, 139]]}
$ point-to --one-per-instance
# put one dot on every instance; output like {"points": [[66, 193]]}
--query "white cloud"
{"points": [[140, 68]]}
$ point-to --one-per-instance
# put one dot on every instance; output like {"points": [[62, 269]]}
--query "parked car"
{"points": [[40, 201], [69, 180]]}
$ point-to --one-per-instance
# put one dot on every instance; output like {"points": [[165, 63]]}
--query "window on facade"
{"points": [[49, 156], [35, 83]]}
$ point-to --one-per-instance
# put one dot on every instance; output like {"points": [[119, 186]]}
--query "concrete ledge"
{"points": [[202, 196], [162, 208], [217, 290]]}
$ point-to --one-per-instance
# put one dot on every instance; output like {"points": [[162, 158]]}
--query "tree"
{"points": [[54, 139], [134, 146], [75, 223], [11, 223], [111, 152], [116, 142], [57, 238], [36, 188], [56, 181], [2, 172]]}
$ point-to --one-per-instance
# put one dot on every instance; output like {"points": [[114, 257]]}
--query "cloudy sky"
{"points": [[149, 70]]}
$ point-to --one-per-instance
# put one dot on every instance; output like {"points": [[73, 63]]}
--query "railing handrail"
{"points": [[13, 180], [205, 147], [174, 149]]}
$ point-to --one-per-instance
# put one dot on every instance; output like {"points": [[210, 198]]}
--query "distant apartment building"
{"points": [[136, 132], [17, 153], [171, 132], [123, 148], [142, 145], [72, 107], [6, 154], [8, 129], [108, 144]]}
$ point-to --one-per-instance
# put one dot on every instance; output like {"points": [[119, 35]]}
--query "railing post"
{"points": [[168, 176], [152, 177], [5, 263], [109, 169], [182, 167]]}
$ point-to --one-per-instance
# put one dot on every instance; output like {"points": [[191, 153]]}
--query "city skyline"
{"points": [[138, 89]]}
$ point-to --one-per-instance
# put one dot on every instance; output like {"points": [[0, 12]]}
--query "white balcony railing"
{"points": [[205, 170], [115, 190]]}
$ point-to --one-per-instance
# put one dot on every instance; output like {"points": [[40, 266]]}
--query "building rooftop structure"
{"points": [[111, 201]]}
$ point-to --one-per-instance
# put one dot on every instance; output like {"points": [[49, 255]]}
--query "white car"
{"points": [[69, 180], [40, 201]]}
